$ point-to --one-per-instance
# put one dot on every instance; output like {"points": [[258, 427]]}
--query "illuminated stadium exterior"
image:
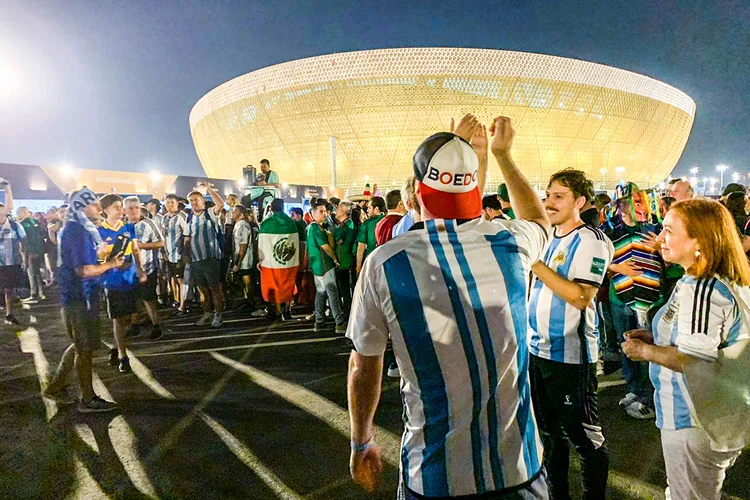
{"points": [[381, 104]]}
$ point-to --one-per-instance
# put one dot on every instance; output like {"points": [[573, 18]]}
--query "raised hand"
{"points": [[479, 141], [466, 127], [502, 134]]}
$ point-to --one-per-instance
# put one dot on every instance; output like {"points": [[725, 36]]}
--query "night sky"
{"points": [[110, 84]]}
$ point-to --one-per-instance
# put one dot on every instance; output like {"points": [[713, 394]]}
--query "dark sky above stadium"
{"points": [[105, 84]]}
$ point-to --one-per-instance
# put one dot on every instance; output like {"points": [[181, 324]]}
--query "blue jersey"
{"points": [[699, 318], [126, 278], [11, 236], [556, 327], [452, 298], [77, 249]]}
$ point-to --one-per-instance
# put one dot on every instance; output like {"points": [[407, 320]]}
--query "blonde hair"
{"points": [[712, 226]]}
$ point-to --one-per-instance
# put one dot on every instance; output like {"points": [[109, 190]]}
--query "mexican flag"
{"points": [[278, 253]]}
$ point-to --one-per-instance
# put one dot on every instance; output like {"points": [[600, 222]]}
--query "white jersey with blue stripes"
{"points": [[174, 229], [204, 231], [701, 317], [453, 300], [583, 256], [147, 231]]}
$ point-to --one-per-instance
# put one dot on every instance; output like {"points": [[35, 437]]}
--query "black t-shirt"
{"points": [[590, 217]]}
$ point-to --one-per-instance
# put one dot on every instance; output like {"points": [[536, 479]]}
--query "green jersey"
{"points": [[367, 233], [320, 262], [345, 237]]}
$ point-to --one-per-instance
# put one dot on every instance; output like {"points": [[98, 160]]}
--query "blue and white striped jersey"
{"points": [[700, 317], [11, 236], [174, 229], [583, 256], [204, 231], [453, 300], [147, 231]]}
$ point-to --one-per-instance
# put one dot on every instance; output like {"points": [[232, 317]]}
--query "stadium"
{"points": [[379, 105]]}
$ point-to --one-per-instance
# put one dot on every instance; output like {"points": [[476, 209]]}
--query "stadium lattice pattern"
{"points": [[381, 104]]}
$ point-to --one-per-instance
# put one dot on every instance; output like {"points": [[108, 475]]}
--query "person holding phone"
{"points": [[120, 283], [80, 292]]}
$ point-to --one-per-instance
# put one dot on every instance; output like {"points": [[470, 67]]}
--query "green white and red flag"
{"points": [[278, 253]]}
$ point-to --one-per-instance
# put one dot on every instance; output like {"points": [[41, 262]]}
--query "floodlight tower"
{"points": [[721, 169]]}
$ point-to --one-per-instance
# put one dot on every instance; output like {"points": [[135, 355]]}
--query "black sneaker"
{"points": [[132, 331], [113, 357], [319, 327], [11, 320], [180, 313], [96, 405], [341, 328], [155, 332], [287, 315], [125, 365]]}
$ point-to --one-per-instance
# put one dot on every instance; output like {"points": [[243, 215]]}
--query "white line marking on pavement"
{"points": [[216, 337], [322, 492], [316, 405], [239, 347], [87, 488], [30, 344], [248, 458], [125, 444], [235, 320], [241, 451], [87, 436]]}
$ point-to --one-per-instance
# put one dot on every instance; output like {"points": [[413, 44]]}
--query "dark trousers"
{"points": [[565, 404], [345, 282]]}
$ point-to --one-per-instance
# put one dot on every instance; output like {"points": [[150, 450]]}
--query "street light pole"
{"points": [[721, 169]]}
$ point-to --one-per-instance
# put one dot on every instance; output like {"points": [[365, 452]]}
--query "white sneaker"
{"points": [[640, 411], [628, 400], [394, 372], [217, 323], [258, 313], [29, 300], [205, 319]]}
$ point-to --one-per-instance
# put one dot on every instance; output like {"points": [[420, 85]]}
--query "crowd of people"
{"points": [[498, 312]]}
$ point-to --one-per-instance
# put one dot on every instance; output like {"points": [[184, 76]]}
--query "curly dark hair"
{"points": [[576, 181]]}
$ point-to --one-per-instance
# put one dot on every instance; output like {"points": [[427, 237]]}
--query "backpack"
{"points": [[217, 227]]}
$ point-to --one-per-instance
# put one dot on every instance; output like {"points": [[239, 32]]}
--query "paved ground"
{"points": [[254, 410]]}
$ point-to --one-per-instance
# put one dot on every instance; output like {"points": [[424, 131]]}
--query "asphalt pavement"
{"points": [[256, 409]]}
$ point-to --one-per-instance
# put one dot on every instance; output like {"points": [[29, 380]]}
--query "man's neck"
{"points": [[569, 225]]}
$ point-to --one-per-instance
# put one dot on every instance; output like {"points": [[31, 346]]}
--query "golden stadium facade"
{"points": [[381, 104]]}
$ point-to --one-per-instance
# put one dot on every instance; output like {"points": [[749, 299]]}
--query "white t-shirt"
{"points": [[452, 298], [243, 235]]}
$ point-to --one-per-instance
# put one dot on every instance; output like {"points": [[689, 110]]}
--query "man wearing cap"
{"points": [[451, 295], [80, 295], [502, 194]]}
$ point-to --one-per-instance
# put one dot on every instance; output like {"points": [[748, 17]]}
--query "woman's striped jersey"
{"points": [[700, 318]]}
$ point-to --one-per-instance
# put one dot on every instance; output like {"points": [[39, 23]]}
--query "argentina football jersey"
{"points": [[582, 256], [175, 229], [203, 230], [452, 298]]}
